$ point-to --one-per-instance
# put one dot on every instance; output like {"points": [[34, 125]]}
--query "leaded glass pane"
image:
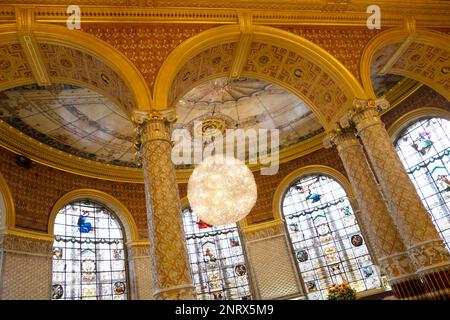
{"points": [[325, 237], [217, 260], [88, 254], [424, 148]]}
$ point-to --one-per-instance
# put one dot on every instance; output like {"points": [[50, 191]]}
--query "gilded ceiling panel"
{"points": [[74, 65], [213, 61], [426, 62], [147, 46], [13, 64], [289, 68]]}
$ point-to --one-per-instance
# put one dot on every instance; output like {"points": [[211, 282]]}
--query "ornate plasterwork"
{"points": [[306, 77], [13, 64], [428, 63], [419, 54], [146, 46], [430, 254], [211, 62], [318, 12], [22, 244], [68, 63], [345, 43], [274, 63]]}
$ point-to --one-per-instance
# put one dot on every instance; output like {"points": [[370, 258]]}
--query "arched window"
{"points": [[217, 260], [88, 254], [424, 148], [325, 237]]}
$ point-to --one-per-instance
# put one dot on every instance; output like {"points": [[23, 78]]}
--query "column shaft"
{"points": [[382, 233], [170, 265], [424, 245]]}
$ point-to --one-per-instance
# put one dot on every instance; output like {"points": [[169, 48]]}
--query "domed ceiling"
{"points": [[84, 123], [249, 104], [72, 119]]}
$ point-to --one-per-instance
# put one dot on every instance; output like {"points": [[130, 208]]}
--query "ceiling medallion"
{"points": [[210, 129], [66, 63], [263, 59], [415, 57], [298, 73], [4, 64]]}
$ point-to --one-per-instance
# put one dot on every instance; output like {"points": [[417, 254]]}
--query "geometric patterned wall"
{"points": [[25, 268]]}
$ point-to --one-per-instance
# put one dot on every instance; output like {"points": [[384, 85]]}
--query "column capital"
{"points": [[340, 137], [168, 115], [364, 113], [153, 125]]}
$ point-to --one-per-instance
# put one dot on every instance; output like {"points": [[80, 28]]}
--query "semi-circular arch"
{"points": [[327, 67], [86, 43], [424, 37], [287, 181], [121, 212]]}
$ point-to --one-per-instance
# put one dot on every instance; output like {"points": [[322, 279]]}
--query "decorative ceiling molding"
{"points": [[397, 54], [244, 44], [292, 12], [102, 64], [24, 22]]}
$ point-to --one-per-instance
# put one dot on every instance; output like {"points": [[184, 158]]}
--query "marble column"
{"points": [[170, 265], [386, 243], [423, 243]]}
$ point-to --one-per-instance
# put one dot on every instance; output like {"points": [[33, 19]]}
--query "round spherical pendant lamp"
{"points": [[221, 190]]}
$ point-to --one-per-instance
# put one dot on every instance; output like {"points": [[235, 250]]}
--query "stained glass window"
{"points": [[424, 148], [88, 254], [217, 260], [326, 240]]}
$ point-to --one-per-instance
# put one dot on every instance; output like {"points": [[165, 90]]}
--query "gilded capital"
{"points": [[153, 125], [341, 137], [365, 113]]}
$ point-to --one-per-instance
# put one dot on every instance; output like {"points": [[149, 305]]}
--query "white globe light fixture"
{"points": [[221, 190]]}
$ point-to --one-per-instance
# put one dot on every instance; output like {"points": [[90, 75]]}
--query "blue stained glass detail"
{"points": [[314, 197], [83, 225]]}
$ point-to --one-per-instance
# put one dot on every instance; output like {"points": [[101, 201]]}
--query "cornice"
{"points": [[282, 12]]}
